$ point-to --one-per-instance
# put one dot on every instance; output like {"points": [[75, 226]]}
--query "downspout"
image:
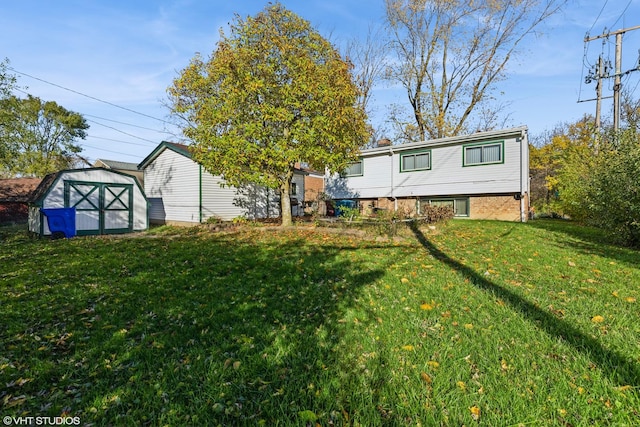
{"points": [[395, 199], [200, 193], [523, 140]]}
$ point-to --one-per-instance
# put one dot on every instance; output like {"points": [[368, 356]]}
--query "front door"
{"points": [[101, 208]]}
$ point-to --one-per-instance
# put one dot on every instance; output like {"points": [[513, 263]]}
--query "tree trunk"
{"points": [[285, 200]]}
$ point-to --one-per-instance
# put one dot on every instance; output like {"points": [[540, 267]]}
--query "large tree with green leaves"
{"points": [[40, 137], [273, 93]]}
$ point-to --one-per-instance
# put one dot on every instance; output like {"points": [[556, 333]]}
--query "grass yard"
{"points": [[475, 323]]}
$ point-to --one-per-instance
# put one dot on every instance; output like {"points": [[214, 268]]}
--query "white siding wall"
{"points": [[175, 179], [218, 201], [376, 180], [447, 176]]}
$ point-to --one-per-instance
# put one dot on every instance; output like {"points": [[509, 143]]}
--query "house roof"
{"points": [[18, 189], [165, 145], [474, 137], [116, 164]]}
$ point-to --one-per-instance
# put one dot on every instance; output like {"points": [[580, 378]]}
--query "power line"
{"points": [[118, 140], [123, 132], [128, 124], [622, 14], [87, 96], [599, 14], [111, 151]]}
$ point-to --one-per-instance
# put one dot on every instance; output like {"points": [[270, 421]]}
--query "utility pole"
{"points": [[617, 84]]}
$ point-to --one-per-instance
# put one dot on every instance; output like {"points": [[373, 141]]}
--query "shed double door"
{"points": [[101, 208]]}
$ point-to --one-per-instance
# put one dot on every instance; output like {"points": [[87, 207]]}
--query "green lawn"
{"points": [[475, 323]]}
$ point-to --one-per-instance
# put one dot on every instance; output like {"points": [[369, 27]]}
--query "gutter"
{"points": [[200, 193]]}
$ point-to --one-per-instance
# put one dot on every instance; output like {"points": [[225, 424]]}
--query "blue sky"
{"points": [[112, 60]]}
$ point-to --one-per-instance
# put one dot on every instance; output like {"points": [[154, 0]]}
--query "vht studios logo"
{"points": [[41, 421]]}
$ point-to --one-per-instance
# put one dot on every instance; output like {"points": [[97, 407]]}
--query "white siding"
{"points": [[174, 179], [376, 180], [219, 201], [447, 176]]}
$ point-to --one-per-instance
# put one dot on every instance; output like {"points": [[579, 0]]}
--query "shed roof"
{"points": [[18, 189]]}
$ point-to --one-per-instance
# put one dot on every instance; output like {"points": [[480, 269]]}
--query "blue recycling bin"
{"points": [[61, 221], [351, 204]]}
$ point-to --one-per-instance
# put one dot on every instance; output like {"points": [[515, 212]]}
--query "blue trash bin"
{"points": [[61, 221], [351, 204]]}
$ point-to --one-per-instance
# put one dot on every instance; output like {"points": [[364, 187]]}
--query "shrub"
{"points": [[433, 214]]}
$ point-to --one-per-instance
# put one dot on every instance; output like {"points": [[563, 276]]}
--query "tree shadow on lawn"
{"points": [[620, 369], [188, 330], [588, 240]]}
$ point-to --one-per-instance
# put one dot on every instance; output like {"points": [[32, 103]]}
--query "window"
{"points": [[460, 205], [482, 154], [415, 161], [294, 188], [354, 169]]}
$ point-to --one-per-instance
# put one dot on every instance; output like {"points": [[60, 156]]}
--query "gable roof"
{"points": [[18, 189], [165, 145], [116, 164]]}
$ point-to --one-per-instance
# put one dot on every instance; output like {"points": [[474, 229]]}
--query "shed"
{"points": [[106, 201]]}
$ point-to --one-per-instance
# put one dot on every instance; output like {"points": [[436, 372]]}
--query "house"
{"points": [[105, 201], [15, 194], [181, 192], [126, 167], [482, 176]]}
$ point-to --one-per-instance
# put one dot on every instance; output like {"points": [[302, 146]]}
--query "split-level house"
{"points": [[484, 175]]}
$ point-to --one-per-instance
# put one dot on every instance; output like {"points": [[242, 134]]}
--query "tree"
{"points": [[553, 157], [368, 58], [603, 190], [450, 55], [40, 136], [273, 93], [7, 85]]}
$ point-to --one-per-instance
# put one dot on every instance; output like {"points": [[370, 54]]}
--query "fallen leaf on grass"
{"points": [[407, 347], [597, 319], [404, 280], [427, 306], [630, 299], [475, 412], [425, 377]]}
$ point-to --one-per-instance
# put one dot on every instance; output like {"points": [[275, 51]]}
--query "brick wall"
{"points": [[505, 208]]}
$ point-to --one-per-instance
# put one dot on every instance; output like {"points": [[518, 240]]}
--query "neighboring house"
{"points": [[482, 176], [15, 194], [105, 201], [126, 167], [181, 191], [313, 188]]}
